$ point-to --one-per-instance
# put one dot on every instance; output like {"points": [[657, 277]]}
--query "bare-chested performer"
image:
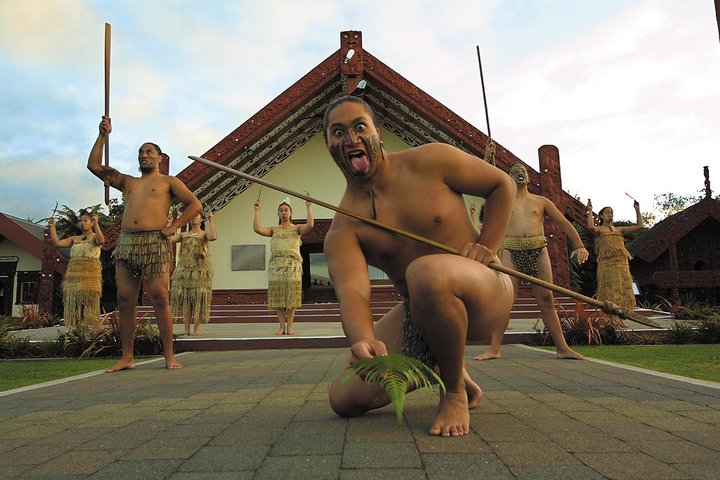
{"points": [[143, 251], [524, 249], [448, 298]]}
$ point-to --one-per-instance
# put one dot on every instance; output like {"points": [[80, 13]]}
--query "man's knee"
{"points": [[353, 398], [126, 300], [424, 276], [159, 298], [342, 406], [544, 299]]}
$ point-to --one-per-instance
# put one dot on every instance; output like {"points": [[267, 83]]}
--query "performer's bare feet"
{"points": [[569, 354], [171, 363], [452, 418], [280, 331], [291, 331], [488, 355], [196, 333], [123, 364], [473, 390]]}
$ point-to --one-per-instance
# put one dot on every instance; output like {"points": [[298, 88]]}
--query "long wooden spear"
{"points": [[490, 145], [607, 307], [107, 105]]}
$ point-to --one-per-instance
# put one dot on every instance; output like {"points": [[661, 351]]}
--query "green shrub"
{"points": [[709, 330], [682, 332], [32, 316], [585, 325], [102, 341]]}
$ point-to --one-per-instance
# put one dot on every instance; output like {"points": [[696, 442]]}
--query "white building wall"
{"points": [[310, 168], [26, 263]]}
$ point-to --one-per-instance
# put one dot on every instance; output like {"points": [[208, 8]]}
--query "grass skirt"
{"points": [[525, 253], [614, 281], [284, 282], [144, 254], [82, 287], [191, 292]]}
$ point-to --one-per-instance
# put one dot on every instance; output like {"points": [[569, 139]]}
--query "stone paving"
{"points": [[263, 414]]}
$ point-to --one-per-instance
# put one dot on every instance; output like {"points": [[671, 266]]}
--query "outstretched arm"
{"points": [[590, 218], [349, 275], [108, 175], [303, 229], [99, 236], [211, 232], [580, 252], [259, 229], [56, 242], [638, 222]]}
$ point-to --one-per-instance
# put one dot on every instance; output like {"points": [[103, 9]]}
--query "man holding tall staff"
{"points": [[524, 248], [143, 251]]}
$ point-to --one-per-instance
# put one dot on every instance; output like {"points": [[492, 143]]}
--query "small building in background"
{"points": [[680, 256], [25, 279]]}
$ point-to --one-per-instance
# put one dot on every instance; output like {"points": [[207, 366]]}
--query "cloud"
{"points": [[607, 82]]}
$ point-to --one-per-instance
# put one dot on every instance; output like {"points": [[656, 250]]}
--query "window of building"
{"points": [[27, 292], [27, 287]]}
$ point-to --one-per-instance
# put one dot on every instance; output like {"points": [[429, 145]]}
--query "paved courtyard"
{"points": [[263, 414]]}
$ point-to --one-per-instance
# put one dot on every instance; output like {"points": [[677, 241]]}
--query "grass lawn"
{"points": [[21, 373], [695, 361]]}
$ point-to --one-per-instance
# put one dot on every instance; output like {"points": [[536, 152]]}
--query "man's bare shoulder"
{"points": [[339, 224], [538, 200], [340, 233], [423, 158], [427, 151]]}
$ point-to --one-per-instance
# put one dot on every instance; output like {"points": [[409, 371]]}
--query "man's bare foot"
{"points": [[569, 355], [196, 333], [123, 364], [488, 355], [452, 418], [280, 331], [291, 331], [172, 364], [473, 390]]}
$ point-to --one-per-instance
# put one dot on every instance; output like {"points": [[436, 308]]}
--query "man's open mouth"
{"points": [[358, 160]]}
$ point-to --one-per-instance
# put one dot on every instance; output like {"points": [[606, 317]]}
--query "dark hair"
{"points": [[341, 100], [159, 150], [600, 220]]}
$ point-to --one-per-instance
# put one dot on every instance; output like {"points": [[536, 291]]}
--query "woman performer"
{"points": [[614, 282], [285, 265], [191, 291], [82, 284]]}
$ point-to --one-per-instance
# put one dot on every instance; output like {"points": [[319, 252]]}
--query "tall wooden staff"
{"points": [[607, 307], [107, 105], [490, 145]]}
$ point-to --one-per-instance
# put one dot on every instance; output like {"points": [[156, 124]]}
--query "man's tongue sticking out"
{"points": [[359, 163]]}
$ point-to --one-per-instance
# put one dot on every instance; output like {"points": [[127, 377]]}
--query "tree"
{"points": [[670, 203], [67, 225]]}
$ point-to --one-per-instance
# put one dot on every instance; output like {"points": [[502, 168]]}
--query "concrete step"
{"points": [[524, 308]]}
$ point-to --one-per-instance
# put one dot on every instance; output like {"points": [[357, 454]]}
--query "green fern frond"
{"points": [[395, 373]]}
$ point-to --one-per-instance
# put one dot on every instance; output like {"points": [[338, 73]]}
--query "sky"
{"points": [[628, 90]]}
